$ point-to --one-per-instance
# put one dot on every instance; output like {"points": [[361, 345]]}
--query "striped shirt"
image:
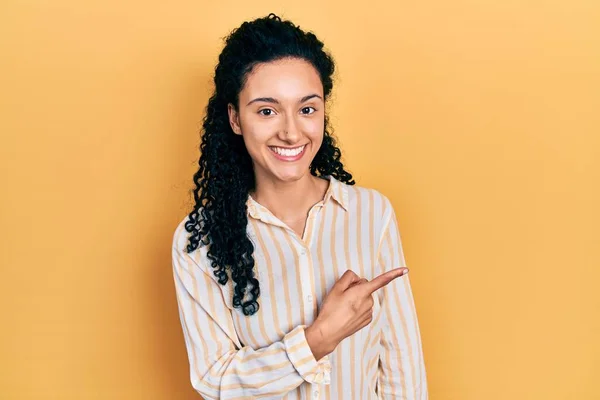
{"points": [[266, 355]]}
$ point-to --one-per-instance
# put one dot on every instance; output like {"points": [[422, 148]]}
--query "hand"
{"points": [[347, 308]]}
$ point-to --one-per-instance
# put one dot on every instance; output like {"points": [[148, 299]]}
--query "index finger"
{"points": [[383, 279]]}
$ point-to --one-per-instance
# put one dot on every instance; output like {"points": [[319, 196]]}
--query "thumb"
{"points": [[358, 282], [347, 279]]}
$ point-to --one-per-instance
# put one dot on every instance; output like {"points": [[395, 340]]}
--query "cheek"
{"points": [[254, 133], [255, 140], [315, 131], [253, 143]]}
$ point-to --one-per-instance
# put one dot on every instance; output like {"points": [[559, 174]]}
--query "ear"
{"points": [[234, 119]]}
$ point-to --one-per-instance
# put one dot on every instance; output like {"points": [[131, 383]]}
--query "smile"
{"points": [[287, 154]]}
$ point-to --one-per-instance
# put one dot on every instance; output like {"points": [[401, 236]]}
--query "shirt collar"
{"points": [[337, 190]]}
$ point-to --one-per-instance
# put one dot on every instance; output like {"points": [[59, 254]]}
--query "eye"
{"points": [[267, 112], [306, 110]]}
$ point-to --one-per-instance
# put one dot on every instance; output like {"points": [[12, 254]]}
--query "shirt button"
{"points": [[316, 394], [309, 298], [303, 251]]}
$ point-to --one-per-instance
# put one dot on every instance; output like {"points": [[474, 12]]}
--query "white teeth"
{"points": [[288, 152]]}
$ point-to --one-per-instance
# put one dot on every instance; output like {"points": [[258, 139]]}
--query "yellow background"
{"points": [[479, 119]]}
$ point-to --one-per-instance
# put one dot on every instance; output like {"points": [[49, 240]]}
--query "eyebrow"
{"points": [[275, 101]]}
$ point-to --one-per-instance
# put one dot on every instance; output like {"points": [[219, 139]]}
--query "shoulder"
{"points": [[181, 235], [181, 240], [185, 227], [363, 198]]}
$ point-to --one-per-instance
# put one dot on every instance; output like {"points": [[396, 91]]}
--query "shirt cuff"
{"points": [[302, 358]]}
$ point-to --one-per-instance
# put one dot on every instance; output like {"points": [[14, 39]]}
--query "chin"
{"points": [[289, 176], [284, 171]]}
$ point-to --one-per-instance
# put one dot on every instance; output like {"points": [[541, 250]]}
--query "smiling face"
{"points": [[281, 118]]}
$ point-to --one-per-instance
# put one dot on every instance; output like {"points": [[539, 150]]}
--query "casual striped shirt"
{"points": [[266, 355]]}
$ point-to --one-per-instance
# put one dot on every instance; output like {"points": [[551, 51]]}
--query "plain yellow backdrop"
{"points": [[479, 119]]}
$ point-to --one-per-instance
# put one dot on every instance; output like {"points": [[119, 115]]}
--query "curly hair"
{"points": [[225, 176]]}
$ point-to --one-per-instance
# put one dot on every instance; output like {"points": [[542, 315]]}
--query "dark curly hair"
{"points": [[225, 176]]}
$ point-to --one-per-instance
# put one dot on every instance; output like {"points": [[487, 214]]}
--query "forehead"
{"points": [[285, 79]]}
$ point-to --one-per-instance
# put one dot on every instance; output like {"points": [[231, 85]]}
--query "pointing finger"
{"points": [[383, 279]]}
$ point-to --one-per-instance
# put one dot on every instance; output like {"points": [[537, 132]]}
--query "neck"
{"points": [[289, 201]]}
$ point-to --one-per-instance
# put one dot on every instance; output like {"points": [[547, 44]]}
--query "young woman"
{"points": [[290, 280]]}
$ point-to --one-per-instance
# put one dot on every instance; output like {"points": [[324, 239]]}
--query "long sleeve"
{"points": [[220, 367], [401, 370]]}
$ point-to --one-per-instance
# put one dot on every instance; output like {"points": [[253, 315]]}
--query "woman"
{"points": [[287, 274]]}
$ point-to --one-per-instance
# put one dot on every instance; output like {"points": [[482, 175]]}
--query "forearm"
{"points": [[268, 372]]}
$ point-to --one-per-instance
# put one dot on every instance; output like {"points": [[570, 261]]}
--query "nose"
{"points": [[290, 132]]}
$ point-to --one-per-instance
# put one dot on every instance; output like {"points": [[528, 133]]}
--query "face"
{"points": [[281, 118]]}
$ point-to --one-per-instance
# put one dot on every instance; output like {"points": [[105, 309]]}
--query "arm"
{"points": [[220, 368], [401, 371]]}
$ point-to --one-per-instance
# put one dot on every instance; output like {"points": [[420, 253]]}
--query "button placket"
{"points": [[306, 264], [305, 267]]}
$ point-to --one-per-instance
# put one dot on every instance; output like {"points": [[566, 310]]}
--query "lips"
{"points": [[285, 154]]}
